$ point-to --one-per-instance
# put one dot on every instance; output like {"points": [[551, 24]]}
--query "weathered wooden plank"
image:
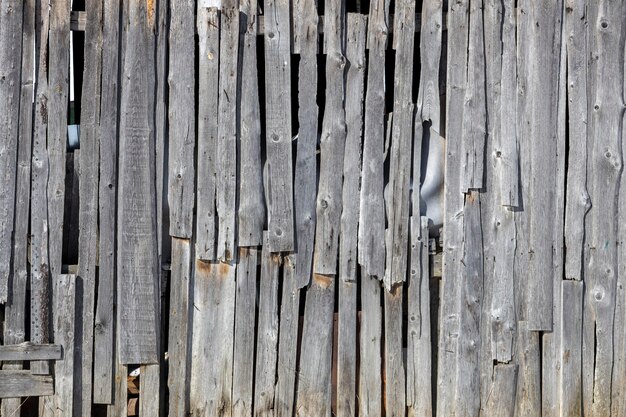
{"points": [[28, 351], [314, 382], [245, 315], [208, 56], [475, 110], [267, 340], [355, 54], [179, 328], [24, 384], [285, 393], [278, 126], [138, 283], [544, 51], [571, 348], [502, 392], [149, 382], [528, 397], [104, 356], [64, 305], [401, 147], [370, 377], [431, 27], [119, 406], [395, 399], [10, 71], [332, 143], [371, 248], [305, 182], [419, 390], [181, 135], [39, 260], [347, 348], [226, 180], [251, 207]]}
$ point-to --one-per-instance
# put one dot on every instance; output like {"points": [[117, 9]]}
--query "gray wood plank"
{"points": [[179, 328], [571, 348], [104, 341], [528, 397], [39, 256], [226, 180], [138, 283], [395, 399], [278, 126], [287, 370], [355, 55], [28, 351], [401, 147], [371, 248], [314, 382], [347, 348], [64, 304], [267, 340], [119, 406], [24, 384], [208, 56], [251, 206], [244, 335], [305, 182], [332, 143], [10, 71], [149, 383], [419, 390], [430, 25], [502, 392], [370, 377], [181, 118]]}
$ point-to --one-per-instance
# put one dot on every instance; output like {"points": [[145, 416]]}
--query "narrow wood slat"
{"points": [[430, 25], [28, 351], [251, 209], [528, 397], [279, 192], [305, 177], [104, 340], [369, 395], [571, 348], [181, 117], [502, 392], [64, 304], [332, 143], [24, 384], [149, 384], [10, 69], [287, 375], [244, 335], [395, 380], [138, 283]]}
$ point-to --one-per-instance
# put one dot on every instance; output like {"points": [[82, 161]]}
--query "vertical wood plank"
{"points": [[64, 305], [208, 74], [528, 397], [570, 383], [502, 392], [305, 182], [278, 126], [370, 377], [182, 138], [149, 382], [395, 400], [431, 28]]}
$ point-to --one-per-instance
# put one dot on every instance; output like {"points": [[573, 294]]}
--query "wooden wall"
{"points": [[245, 208]]}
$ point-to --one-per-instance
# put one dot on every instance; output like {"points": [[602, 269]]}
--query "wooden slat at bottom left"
{"points": [[19, 383]]}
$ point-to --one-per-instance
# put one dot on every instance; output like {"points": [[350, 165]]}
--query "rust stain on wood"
{"points": [[323, 281]]}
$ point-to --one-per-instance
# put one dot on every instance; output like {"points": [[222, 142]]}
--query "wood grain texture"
{"points": [[208, 74], [502, 392], [369, 394], [24, 384], [28, 351], [528, 397], [571, 348], [64, 304], [279, 192], [181, 117], [395, 380], [430, 25]]}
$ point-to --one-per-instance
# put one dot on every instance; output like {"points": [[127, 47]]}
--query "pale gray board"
{"points": [[355, 55], [399, 186], [39, 261], [332, 144], [119, 406], [267, 340], [371, 247], [18, 383], [475, 112], [208, 57], [503, 391], [212, 341], [28, 351], [315, 381], [453, 207], [181, 117], [251, 205], [419, 390], [137, 260], [570, 355], [528, 397], [285, 392], [149, 384], [395, 377], [179, 328], [10, 71], [428, 103], [104, 340], [244, 334], [369, 394], [64, 327], [279, 194], [305, 182], [226, 179], [347, 348]]}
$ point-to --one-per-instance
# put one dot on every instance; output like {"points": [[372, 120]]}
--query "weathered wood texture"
{"points": [[24, 384]]}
